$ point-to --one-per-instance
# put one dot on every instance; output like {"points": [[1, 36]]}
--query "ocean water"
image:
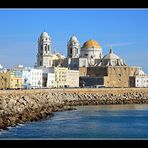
{"points": [[87, 122]]}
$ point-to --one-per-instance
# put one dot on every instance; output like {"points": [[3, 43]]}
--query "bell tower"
{"points": [[73, 48], [44, 50]]}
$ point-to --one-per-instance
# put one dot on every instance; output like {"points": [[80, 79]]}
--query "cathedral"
{"points": [[94, 69], [89, 55]]}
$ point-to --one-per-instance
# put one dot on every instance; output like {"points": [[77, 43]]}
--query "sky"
{"points": [[125, 30]]}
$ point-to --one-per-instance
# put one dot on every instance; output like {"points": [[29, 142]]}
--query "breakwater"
{"points": [[19, 106]]}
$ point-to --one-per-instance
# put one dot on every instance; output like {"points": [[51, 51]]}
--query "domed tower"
{"points": [[73, 48], [91, 50], [44, 49], [111, 59]]}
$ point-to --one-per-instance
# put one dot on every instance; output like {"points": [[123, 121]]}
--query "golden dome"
{"points": [[91, 44]]}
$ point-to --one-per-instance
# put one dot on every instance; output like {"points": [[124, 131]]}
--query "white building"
{"points": [[36, 78], [48, 76], [60, 77], [31, 77], [50, 80], [1, 67], [139, 80]]}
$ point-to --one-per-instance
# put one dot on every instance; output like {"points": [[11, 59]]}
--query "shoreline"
{"points": [[20, 106]]}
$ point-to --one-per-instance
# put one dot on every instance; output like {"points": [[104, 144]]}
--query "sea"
{"points": [[87, 122]]}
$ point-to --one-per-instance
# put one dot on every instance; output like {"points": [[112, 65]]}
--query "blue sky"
{"points": [[125, 29]]}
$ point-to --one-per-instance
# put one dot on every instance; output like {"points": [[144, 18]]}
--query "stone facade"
{"points": [[111, 76]]}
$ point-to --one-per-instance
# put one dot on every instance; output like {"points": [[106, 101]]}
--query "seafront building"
{"points": [[8, 80], [140, 79], [95, 70], [111, 72], [60, 77], [84, 66], [72, 78], [31, 77]]}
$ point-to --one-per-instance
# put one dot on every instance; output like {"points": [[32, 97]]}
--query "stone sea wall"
{"points": [[19, 106]]}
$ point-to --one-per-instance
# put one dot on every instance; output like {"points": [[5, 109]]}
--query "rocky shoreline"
{"points": [[26, 106]]}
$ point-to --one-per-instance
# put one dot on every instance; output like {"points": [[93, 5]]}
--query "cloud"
{"points": [[120, 44]]}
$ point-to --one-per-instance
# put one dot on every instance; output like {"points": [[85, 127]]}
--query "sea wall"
{"points": [[19, 106]]}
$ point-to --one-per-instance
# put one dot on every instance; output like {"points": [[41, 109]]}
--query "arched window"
{"points": [[48, 47], [70, 51]]}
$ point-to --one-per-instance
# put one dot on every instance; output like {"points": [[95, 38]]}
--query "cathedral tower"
{"points": [[44, 50], [73, 48]]}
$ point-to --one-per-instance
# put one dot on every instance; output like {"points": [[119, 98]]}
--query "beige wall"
{"points": [[114, 76], [83, 71], [60, 76], [72, 78], [8, 80], [117, 76]]}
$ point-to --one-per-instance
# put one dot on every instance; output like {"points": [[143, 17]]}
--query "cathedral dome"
{"points": [[140, 72], [44, 35], [111, 56], [91, 44]]}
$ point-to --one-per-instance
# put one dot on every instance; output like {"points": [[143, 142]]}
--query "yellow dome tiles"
{"points": [[91, 44]]}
